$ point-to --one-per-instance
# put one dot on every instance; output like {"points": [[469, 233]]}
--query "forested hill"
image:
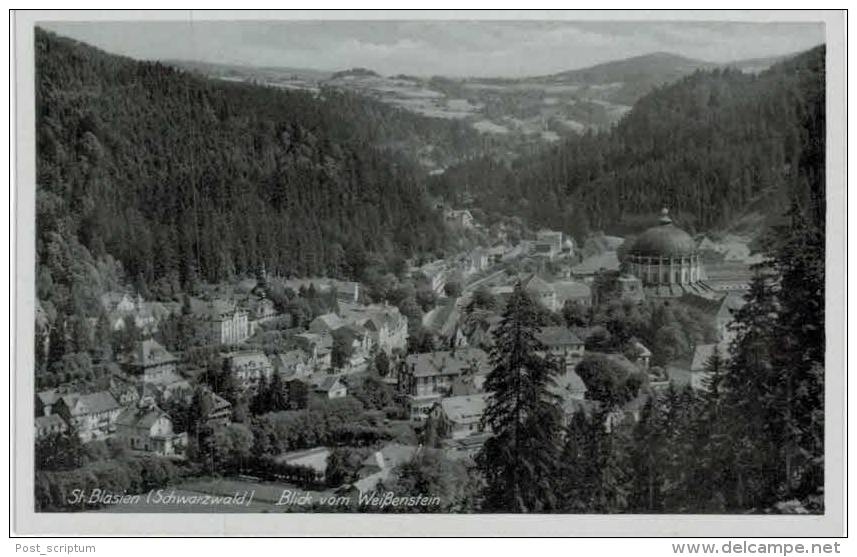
{"points": [[712, 146], [182, 178]]}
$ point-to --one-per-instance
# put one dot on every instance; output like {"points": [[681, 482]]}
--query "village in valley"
{"points": [[254, 293], [362, 377]]}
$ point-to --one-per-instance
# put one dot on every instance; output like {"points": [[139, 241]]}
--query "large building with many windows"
{"points": [[665, 259]]}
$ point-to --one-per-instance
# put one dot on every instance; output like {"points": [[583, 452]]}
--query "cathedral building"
{"points": [[666, 261]]}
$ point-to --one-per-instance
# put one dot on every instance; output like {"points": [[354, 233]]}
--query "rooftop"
{"points": [[250, 358], [572, 290], [447, 363], [703, 352], [93, 403], [54, 420], [142, 418], [608, 261], [390, 455], [315, 458], [557, 336], [467, 409], [149, 353], [664, 240], [213, 310]]}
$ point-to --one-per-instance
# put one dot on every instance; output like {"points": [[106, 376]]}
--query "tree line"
{"points": [[711, 146], [752, 441], [148, 175]]}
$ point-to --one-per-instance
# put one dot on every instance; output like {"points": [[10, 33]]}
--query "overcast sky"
{"points": [[452, 48]]}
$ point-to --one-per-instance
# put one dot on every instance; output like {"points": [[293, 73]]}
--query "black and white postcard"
{"points": [[302, 268]]}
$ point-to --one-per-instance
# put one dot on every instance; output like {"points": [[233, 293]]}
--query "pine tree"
{"points": [[520, 459], [39, 352], [647, 456], [262, 399], [678, 436], [102, 340], [597, 460], [711, 472], [578, 470], [278, 398], [749, 386], [57, 344], [799, 355]]}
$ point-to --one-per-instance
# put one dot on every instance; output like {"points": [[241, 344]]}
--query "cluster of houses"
{"points": [[377, 468], [447, 386], [127, 405], [365, 328]]}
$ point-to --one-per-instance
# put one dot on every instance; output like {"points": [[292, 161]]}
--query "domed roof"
{"points": [[664, 240]]}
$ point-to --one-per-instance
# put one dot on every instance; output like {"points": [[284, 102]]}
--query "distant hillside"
{"points": [[181, 178], [757, 65], [634, 77], [658, 66], [355, 72], [513, 115], [711, 146]]}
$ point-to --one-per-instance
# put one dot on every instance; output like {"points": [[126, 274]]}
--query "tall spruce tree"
{"points": [[749, 387], [520, 459], [799, 356], [578, 470], [647, 455], [712, 470], [596, 471]]}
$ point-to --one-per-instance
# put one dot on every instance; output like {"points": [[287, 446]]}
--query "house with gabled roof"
{"points": [[541, 291], [436, 273], [443, 321], [293, 364], [569, 386], [45, 401], [702, 353], [326, 323], [729, 306], [121, 307], [590, 266], [331, 386], [461, 416], [221, 321], [639, 354], [387, 327], [248, 367], [92, 415], [165, 387], [147, 428], [318, 346], [387, 458], [219, 409], [150, 360], [428, 377], [572, 291], [561, 343], [49, 425]]}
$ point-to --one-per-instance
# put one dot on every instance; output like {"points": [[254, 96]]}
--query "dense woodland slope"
{"points": [[180, 178], [708, 146]]}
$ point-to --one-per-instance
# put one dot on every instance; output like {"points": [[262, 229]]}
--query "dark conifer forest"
{"points": [[180, 178], [712, 146], [163, 180]]}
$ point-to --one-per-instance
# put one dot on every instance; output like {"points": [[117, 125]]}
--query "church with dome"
{"points": [[666, 260]]}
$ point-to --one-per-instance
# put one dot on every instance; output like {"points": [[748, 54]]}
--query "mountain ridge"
{"points": [[708, 145]]}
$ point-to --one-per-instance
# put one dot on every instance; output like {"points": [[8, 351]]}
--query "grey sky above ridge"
{"points": [[448, 48]]}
